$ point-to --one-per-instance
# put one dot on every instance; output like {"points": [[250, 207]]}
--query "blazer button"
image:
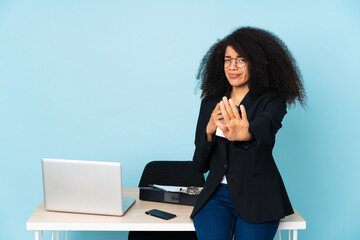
{"points": [[225, 165]]}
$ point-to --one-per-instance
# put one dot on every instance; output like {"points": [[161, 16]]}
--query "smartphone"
{"points": [[160, 214]]}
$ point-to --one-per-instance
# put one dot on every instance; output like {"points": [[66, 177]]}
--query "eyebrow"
{"points": [[230, 56]]}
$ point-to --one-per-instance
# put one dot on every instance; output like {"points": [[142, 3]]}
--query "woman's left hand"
{"points": [[234, 127]]}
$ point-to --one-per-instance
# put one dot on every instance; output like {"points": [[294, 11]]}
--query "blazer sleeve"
{"points": [[203, 148], [264, 126]]}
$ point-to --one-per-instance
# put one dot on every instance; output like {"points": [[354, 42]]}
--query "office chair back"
{"points": [[175, 173]]}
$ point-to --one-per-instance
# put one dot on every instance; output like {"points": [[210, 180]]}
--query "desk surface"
{"points": [[134, 219]]}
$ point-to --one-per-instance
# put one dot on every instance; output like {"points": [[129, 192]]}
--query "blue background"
{"points": [[115, 81]]}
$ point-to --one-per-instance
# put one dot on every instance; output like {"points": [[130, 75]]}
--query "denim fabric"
{"points": [[218, 220]]}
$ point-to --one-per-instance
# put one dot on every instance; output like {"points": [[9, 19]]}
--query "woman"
{"points": [[247, 80]]}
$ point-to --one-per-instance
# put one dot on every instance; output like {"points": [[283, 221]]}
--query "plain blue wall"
{"points": [[115, 81]]}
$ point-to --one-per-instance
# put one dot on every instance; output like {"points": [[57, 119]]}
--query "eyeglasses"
{"points": [[240, 62]]}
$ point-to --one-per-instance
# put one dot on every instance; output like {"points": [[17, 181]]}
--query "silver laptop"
{"points": [[84, 187]]}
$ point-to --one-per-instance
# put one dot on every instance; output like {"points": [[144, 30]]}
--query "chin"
{"points": [[237, 83]]}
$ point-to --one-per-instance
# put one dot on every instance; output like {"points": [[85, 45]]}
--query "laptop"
{"points": [[84, 187]]}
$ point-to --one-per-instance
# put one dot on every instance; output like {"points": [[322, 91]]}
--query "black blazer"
{"points": [[255, 185]]}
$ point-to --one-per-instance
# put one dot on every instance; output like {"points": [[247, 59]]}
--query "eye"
{"points": [[240, 60], [227, 60]]}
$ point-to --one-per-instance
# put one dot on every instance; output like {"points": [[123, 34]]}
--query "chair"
{"points": [[176, 173]]}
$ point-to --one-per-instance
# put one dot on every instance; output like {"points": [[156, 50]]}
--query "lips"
{"points": [[234, 75]]}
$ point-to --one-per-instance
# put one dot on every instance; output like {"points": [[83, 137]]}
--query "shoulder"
{"points": [[206, 109], [209, 104], [269, 100], [271, 97]]}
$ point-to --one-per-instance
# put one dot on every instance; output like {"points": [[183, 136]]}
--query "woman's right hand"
{"points": [[211, 126]]}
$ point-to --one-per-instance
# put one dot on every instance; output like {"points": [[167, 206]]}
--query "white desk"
{"points": [[134, 220]]}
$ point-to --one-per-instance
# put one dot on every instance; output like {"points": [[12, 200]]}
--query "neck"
{"points": [[238, 93]]}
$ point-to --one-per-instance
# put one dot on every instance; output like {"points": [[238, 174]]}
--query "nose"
{"points": [[233, 64]]}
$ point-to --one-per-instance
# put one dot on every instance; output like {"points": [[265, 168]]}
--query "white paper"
{"points": [[170, 188], [219, 132]]}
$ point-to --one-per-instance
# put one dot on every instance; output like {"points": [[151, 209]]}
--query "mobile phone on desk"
{"points": [[160, 214]]}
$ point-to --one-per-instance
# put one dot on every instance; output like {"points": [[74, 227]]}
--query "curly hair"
{"points": [[272, 67]]}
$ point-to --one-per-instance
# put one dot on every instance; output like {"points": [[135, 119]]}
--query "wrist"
{"points": [[249, 136], [209, 132], [245, 137]]}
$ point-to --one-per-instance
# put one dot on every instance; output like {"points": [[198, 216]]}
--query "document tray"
{"points": [[157, 195]]}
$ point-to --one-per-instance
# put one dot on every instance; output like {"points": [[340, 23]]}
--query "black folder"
{"points": [[157, 195]]}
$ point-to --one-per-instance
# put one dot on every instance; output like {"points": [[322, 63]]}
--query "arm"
{"points": [[264, 126], [203, 147]]}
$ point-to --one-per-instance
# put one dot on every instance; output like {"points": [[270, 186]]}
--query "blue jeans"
{"points": [[218, 220]]}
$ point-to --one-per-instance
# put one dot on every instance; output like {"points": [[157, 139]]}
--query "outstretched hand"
{"points": [[234, 127]]}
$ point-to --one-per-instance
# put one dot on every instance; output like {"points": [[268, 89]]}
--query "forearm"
{"points": [[203, 149]]}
